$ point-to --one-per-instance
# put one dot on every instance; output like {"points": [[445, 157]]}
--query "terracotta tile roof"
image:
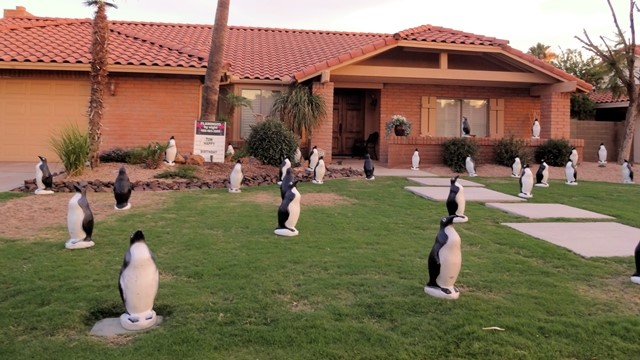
{"points": [[606, 97], [252, 53]]}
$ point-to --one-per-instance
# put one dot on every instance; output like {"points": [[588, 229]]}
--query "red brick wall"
{"points": [[146, 109], [610, 133], [554, 116], [323, 135]]}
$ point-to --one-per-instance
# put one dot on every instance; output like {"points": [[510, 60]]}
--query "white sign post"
{"points": [[209, 140]]}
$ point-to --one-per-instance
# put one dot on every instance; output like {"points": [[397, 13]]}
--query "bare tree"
{"points": [[621, 58], [98, 76], [211, 88]]}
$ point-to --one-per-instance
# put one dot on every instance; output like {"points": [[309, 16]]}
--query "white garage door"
{"points": [[34, 110]]}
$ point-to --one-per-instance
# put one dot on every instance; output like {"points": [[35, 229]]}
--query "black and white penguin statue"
{"points": [[319, 171], [79, 220], [635, 278], [470, 165], [171, 152], [542, 175], [535, 129], [571, 173], [44, 179], [444, 262], [456, 202], [282, 169], [230, 151], [289, 212], [516, 167], [287, 182], [368, 167], [602, 155], [235, 178], [415, 160], [465, 127], [526, 182], [313, 158], [139, 279], [122, 190], [297, 157], [574, 156], [627, 172]]}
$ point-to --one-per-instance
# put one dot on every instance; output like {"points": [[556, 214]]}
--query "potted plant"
{"points": [[400, 126]]}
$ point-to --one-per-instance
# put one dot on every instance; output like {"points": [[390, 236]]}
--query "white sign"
{"points": [[210, 140]]}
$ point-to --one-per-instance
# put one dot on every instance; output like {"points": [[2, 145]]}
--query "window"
{"points": [[261, 104], [449, 113]]}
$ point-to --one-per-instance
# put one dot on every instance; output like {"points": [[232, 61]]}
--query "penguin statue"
{"points": [[466, 128], [230, 151], [170, 153], [526, 183], [535, 129], [138, 285], [602, 155], [471, 166], [635, 278], [79, 220], [444, 262], [571, 173], [415, 160], [627, 173], [287, 181], [44, 179], [516, 167], [282, 169], [289, 212], [542, 175], [122, 190], [574, 156], [456, 202], [235, 178], [368, 167], [313, 158], [297, 157], [319, 171]]}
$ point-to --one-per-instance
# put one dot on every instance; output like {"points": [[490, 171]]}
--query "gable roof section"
{"points": [[605, 97], [251, 53]]}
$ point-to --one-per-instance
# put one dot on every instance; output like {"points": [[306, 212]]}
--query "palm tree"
{"points": [[542, 52], [299, 109], [211, 88], [98, 76]]}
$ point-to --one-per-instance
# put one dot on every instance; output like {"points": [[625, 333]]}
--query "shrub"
{"points": [[507, 149], [555, 152], [72, 147], [182, 172], [240, 153], [118, 155], [455, 152], [270, 141], [151, 155]]}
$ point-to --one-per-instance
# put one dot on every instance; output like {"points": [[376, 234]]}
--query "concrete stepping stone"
{"points": [[546, 211], [439, 181], [440, 193], [588, 239]]}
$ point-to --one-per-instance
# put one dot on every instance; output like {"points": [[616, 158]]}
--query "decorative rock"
{"points": [[627, 172], [535, 129], [319, 171], [289, 212], [456, 201], [444, 262], [313, 158], [79, 220], [571, 173], [139, 279], [542, 175], [635, 278], [195, 160], [170, 153], [235, 179], [471, 166], [602, 155], [415, 160], [368, 167], [180, 159], [282, 170], [526, 183], [122, 190], [44, 179], [516, 167]]}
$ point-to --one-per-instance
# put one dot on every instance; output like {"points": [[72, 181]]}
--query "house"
{"points": [[431, 75]]}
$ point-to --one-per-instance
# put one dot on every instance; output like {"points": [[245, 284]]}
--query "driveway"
{"points": [[13, 174]]}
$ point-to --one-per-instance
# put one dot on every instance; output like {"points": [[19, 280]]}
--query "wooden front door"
{"points": [[348, 120]]}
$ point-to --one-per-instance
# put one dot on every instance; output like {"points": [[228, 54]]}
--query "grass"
{"points": [[350, 286]]}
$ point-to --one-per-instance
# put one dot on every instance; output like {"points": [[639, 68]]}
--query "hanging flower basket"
{"points": [[400, 126]]}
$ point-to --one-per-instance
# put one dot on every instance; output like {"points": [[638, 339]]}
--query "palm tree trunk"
{"points": [[211, 88]]}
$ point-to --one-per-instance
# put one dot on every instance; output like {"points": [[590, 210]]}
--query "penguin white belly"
{"points": [[139, 282], [235, 180], [39, 177], [450, 260], [171, 154], [294, 213], [415, 162], [75, 216], [462, 203]]}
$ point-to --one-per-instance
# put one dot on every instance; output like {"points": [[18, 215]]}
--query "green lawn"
{"points": [[349, 286]]}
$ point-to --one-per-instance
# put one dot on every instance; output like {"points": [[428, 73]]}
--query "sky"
{"points": [[522, 22]]}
